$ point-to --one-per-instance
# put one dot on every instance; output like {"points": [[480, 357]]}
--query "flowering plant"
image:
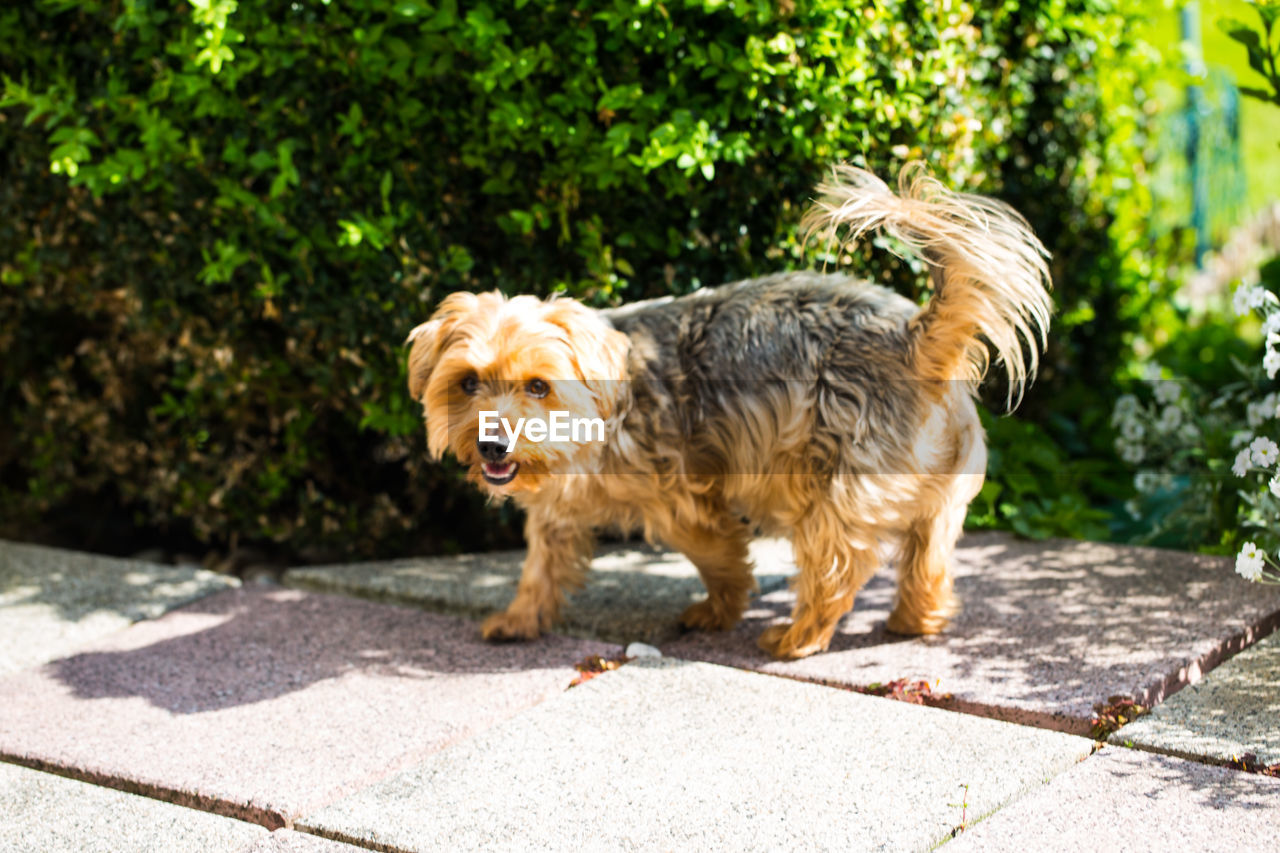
{"points": [[1235, 508], [1209, 462], [1255, 463]]}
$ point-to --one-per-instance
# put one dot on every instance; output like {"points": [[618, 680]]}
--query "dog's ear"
{"points": [[433, 337], [599, 350]]}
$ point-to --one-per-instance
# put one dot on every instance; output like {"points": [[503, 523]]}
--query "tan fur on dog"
{"points": [[823, 408]]}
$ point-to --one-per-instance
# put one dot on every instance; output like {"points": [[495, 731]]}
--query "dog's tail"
{"points": [[990, 272]]}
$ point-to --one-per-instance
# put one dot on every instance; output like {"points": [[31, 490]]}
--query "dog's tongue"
{"points": [[498, 471]]}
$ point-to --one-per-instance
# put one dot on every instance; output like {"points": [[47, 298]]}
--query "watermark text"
{"points": [[560, 427]]}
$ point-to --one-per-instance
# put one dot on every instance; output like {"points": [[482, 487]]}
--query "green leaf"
{"points": [[288, 173], [384, 189], [411, 8], [1252, 42], [1261, 94]]}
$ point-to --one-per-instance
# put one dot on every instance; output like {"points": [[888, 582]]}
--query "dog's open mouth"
{"points": [[499, 474]]}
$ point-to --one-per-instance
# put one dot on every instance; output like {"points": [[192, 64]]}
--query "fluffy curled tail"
{"points": [[990, 272]]}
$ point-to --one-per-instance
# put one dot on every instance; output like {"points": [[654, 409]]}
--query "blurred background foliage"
{"points": [[218, 221], [1186, 494]]}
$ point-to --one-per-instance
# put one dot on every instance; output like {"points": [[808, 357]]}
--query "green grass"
{"points": [[1259, 122]]}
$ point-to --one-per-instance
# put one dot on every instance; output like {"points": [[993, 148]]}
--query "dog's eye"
{"points": [[537, 388], [470, 385]]}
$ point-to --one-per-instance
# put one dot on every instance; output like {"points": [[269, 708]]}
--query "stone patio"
{"points": [[1232, 716], [53, 600], [342, 723]]}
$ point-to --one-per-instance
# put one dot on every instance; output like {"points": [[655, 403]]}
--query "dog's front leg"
{"points": [[559, 555]]}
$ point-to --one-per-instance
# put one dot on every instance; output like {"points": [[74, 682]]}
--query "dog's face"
{"points": [[488, 361]]}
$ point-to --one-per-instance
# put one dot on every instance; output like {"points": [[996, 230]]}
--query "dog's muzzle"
{"points": [[498, 468]]}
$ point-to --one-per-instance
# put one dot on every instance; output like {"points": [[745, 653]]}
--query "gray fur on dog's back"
{"points": [[758, 350]]}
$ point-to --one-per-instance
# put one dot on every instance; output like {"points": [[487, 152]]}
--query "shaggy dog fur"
{"points": [[820, 407]]}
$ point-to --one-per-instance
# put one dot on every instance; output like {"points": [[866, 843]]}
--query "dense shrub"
{"points": [[218, 222]]}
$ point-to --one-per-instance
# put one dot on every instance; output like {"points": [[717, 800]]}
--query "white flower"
{"points": [[1168, 391], [1241, 466], [1261, 410], [1126, 408], [1131, 453], [1271, 326], [1240, 439], [1271, 361], [1134, 509], [1243, 299], [1249, 296], [1249, 561], [1257, 412], [1274, 485], [1265, 452], [1189, 433], [1149, 482], [1170, 419], [1132, 430]]}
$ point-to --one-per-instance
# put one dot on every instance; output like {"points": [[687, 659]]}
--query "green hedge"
{"points": [[218, 221]]}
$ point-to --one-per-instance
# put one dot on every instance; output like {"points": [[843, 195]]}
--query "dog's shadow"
{"points": [[257, 644]]}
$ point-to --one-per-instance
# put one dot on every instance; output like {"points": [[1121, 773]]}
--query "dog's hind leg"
{"points": [[719, 551], [831, 573], [925, 601], [559, 555]]}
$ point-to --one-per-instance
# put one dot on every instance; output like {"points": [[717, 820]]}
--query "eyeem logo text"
{"points": [[561, 427]]}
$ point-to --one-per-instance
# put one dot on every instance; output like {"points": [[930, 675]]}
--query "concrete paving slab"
{"points": [[1123, 799], [1048, 630], [1234, 712], [260, 703], [634, 591], [289, 841], [44, 813], [52, 601], [672, 755]]}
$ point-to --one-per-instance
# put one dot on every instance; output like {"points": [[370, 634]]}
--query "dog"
{"points": [[830, 410]]}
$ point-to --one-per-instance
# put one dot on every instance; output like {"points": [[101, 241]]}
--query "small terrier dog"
{"points": [[817, 406]]}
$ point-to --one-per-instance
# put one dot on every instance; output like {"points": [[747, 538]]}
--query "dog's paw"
{"points": [[510, 626], [782, 643], [708, 615], [914, 624]]}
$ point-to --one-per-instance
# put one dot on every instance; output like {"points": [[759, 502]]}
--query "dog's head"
{"points": [[488, 361]]}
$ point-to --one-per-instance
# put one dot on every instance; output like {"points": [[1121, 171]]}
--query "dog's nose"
{"points": [[491, 450]]}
